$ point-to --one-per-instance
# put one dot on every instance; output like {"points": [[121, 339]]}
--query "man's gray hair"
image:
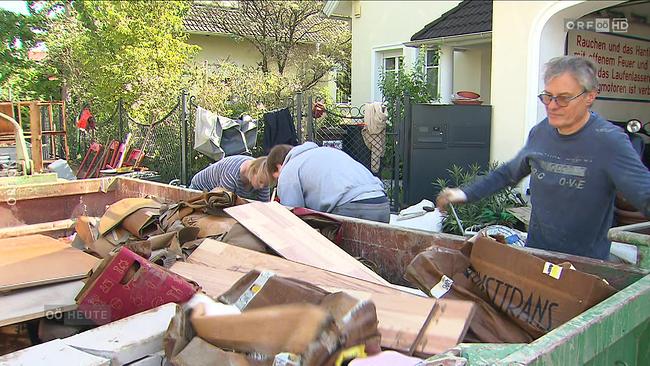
{"points": [[583, 69]]}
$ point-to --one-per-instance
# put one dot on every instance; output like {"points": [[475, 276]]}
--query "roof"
{"points": [[468, 17], [216, 19]]}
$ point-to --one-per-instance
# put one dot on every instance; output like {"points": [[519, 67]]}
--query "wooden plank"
{"points": [[62, 188], [31, 303], [293, 239], [55, 352], [34, 260], [400, 314], [44, 227], [36, 140], [521, 213]]}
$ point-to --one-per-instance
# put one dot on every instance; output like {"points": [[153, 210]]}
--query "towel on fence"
{"points": [[374, 134]]}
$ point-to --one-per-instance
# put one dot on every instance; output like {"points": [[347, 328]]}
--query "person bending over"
{"points": [[328, 180]]}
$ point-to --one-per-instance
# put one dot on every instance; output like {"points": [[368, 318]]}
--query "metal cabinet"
{"points": [[439, 136]]}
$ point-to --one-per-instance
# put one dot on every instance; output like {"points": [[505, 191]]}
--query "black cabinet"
{"points": [[439, 136]]}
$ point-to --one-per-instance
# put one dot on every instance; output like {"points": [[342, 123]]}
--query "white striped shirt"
{"points": [[225, 174]]}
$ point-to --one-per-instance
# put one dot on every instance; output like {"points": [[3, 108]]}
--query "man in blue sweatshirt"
{"points": [[576, 160], [328, 180]]}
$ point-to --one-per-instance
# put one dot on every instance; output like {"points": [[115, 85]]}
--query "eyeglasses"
{"points": [[561, 100]]}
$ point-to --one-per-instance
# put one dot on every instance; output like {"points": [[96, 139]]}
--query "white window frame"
{"points": [[377, 63], [436, 67]]}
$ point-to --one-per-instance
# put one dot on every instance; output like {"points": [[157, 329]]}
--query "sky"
{"points": [[16, 6]]}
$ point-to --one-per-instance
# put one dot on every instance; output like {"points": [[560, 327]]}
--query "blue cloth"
{"points": [[323, 178], [574, 179]]}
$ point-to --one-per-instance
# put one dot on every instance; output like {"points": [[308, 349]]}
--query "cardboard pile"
{"points": [[520, 297]]}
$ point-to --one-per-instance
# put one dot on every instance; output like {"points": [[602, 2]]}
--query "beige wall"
{"points": [[521, 45], [219, 47], [222, 47], [472, 70], [384, 24]]}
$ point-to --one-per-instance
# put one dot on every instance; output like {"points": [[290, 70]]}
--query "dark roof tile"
{"points": [[470, 16], [217, 19]]}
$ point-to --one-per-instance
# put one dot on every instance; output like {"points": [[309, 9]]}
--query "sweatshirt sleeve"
{"points": [[629, 175], [290, 189], [508, 174]]}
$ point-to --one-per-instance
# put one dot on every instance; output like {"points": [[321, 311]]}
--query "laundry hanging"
{"points": [[279, 129], [216, 136], [374, 133]]}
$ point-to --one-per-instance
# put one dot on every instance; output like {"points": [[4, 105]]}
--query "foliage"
{"points": [[412, 82], [110, 50], [279, 30], [487, 211], [20, 76]]}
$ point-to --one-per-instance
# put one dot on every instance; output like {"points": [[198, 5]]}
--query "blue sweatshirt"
{"points": [[573, 183], [322, 178]]}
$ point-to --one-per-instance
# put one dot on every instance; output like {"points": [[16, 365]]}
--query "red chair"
{"points": [[112, 155], [88, 162]]}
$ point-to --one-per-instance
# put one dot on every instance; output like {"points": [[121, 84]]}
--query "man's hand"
{"points": [[449, 195]]}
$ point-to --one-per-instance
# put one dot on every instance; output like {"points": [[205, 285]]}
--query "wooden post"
{"points": [[51, 137], [65, 129], [37, 139]]}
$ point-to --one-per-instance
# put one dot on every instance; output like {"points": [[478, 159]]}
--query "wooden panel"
{"points": [[293, 239], [45, 227], [401, 315], [37, 259], [36, 140], [26, 304]]}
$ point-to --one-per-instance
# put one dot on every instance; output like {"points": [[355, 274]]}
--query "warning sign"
{"points": [[622, 63]]}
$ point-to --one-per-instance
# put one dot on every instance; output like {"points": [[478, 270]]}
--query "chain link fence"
{"points": [[343, 126], [168, 142]]}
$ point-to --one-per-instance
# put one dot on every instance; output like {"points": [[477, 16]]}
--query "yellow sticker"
{"points": [[552, 270], [351, 353]]}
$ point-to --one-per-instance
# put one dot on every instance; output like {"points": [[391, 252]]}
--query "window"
{"points": [[432, 67], [393, 64]]}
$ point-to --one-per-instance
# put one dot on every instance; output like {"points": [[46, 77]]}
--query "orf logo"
{"points": [[602, 25]]}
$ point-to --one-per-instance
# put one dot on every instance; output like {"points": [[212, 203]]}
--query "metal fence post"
{"points": [[407, 123], [184, 115], [310, 118], [120, 119], [398, 126], [299, 116]]}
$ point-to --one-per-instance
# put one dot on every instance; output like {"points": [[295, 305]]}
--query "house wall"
{"points": [[379, 26], [472, 70], [217, 47], [220, 47], [521, 45]]}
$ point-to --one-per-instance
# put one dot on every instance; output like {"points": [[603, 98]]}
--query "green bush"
{"points": [[491, 210]]}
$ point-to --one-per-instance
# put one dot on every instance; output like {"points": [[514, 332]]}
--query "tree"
{"points": [[284, 32], [19, 33], [129, 50]]}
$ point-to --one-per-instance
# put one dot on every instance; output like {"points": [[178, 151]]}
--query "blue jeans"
{"points": [[368, 211]]}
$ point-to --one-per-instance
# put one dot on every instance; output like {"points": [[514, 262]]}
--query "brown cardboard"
{"points": [[201, 353], [488, 324], [142, 222], [516, 283]]}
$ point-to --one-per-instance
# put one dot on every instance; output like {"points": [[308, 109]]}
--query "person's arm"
{"points": [[508, 174], [290, 189], [629, 175]]}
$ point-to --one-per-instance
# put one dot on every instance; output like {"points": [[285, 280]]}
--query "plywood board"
{"points": [[55, 352], [293, 239], [27, 304], [401, 315], [34, 260], [44, 227]]}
